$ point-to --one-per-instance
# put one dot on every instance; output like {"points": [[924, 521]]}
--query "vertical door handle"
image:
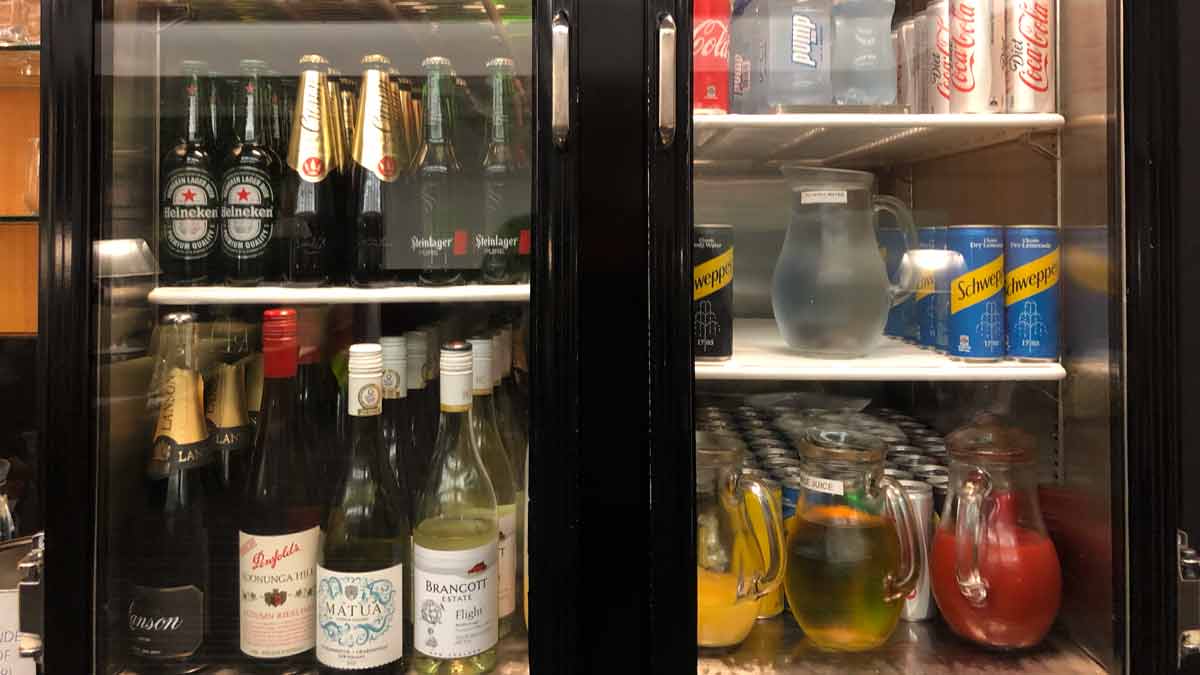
{"points": [[560, 100], [666, 79]]}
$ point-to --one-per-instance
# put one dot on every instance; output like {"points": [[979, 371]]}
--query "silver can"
{"points": [[941, 487], [919, 604], [907, 459], [937, 39], [1030, 56], [923, 471], [976, 58], [898, 474], [906, 64]]}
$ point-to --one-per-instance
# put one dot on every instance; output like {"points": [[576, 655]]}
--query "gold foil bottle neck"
{"points": [[252, 371], [181, 417], [312, 151], [313, 59], [227, 405], [376, 145]]}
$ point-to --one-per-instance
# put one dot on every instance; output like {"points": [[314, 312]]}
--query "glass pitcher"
{"points": [[853, 548], [996, 575], [732, 571], [831, 292]]}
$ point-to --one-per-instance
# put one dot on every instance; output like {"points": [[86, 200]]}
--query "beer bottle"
{"points": [[189, 202], [305, 243], [378, 169], [437, 174], [249, 186], [275, 124], [505, 194]]}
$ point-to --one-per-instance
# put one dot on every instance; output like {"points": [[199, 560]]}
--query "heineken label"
{"points": [[190, 209], [248, 212]]}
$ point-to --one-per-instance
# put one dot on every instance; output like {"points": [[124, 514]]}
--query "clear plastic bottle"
{"points": [[798, 54], [864, 65]]}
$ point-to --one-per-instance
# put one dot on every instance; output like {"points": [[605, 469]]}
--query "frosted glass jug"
{"points": [[830, 292]]}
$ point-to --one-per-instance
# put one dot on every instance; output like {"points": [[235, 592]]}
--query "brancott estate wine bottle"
{"points": [[397, 421], [168, 615], [438, 173], [189, 202], [363, 599], [279, 529], [455, 555], [249, 186]]}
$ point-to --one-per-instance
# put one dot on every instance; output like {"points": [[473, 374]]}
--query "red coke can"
{"points": [[710, 56]]}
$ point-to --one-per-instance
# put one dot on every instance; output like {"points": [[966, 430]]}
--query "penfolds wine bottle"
{"points": [[398, 435], [279, 530], [363, 601], [168, 615]]}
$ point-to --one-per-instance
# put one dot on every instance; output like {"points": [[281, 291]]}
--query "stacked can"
{"points": [[1031, 292], [1029, 56], [937, 66], [919, 606], [907, 63], [977, 83], [931, 294], [900, 316], [976, 323]]}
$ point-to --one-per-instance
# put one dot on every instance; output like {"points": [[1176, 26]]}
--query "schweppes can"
{"points": [[1032, 266], [712, 292], [927, 296], [976, 323], [892, 248]]}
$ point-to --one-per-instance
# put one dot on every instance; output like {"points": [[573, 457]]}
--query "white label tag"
{"points": [[823, 197], [278, 584], [365, 395], [359, 617], [456, 390], [455, 595], [827, 485], [508, 560]]}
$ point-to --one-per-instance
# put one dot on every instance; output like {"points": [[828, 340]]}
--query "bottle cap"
{"points": [[436, 62], [280, 346], [177, 318], [481, 365], [395, 351], [500, 62], [366, 359], [191, 67], [376, 60], [456, 357], [250, 66], [314, 59]]}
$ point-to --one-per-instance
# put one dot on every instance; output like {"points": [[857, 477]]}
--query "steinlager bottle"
{"points": [[249, 186], [306, 241], [378, 177], [437, 177], [189, 202], [504, 242]]}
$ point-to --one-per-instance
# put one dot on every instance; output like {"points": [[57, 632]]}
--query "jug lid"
{"points": [[991, 438], [841, 445], [807, 177]]}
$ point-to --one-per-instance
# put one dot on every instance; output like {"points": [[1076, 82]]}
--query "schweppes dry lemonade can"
{"points": [[976, 324], [712, 292], [1031, 295]]}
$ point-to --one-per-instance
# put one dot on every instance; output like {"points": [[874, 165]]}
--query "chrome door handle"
{"points": [[560, 99], [666, 79]]}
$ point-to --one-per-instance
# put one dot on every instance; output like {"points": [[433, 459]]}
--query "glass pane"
{"points": [[313, 319], [909, 376]]}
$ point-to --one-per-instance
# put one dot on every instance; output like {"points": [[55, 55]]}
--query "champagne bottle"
{"points": [[168, 615], [455, 554], [363, 604], [279, 529], [422, 432], [229, 425], [499, 470], [398, 436], [252, 376]]}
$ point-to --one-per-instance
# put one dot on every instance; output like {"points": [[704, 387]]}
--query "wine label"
{"points": [[190, 212], [456, 392], [394, 385], [508, 562], [166, 623], [454, 601], [440, 240], [311, 147], [248, 211], [359, 617], [376, 146], [497, 237], [277, 582], [365, 395]]}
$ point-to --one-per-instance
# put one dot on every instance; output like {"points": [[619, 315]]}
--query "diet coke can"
{"points": [[1029, 56], [937, 71], [918, 606], [976, 56], [906, 63], [710, 56]]}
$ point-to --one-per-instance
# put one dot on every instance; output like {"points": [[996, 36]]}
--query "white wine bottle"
{"points": [[455, 544], [361, 617], [495, 461]]}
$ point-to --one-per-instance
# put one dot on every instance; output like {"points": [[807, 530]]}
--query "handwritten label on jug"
{"points": [[823, 197], [826, 485]]}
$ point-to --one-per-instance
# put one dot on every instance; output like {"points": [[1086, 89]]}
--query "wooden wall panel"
{"points": [[19, 115], [18, 278]]}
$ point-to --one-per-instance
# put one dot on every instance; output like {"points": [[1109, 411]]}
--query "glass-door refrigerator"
{"points": [[918, 278]]}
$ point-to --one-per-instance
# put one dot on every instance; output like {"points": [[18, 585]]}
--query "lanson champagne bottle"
{"points": [[361, 591], [228, 422], [398, 435], [499, 469], [455, 554], [168, 615], [279, 529]]}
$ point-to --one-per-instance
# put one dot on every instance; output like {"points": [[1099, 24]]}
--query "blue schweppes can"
{"points": [[1031, 292], [892, 249], [712, 292], [976, 323], [926, 297]]}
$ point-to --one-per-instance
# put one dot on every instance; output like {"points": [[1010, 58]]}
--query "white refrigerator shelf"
{"points": [[336, 295]]}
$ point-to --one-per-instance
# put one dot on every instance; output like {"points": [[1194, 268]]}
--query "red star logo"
{"points": [[249, 87], [191, 90], [189, 196], [243, 195]]}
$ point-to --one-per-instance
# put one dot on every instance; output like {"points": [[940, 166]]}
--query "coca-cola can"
{"points": [[1029, 56], [976, 56], [710, 56], [920, 64], [906, 64], [937, 41], [918, 606]]}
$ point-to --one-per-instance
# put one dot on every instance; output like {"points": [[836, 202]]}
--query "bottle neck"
{"points": [[194, 133], [251, 108], [501, 129], [434, 105]]}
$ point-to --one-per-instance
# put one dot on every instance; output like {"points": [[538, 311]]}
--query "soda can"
{"points": [[776, 465], [898, 474], [743, 56], [976, 323], [765, 434], [923, 471], [941, 487], [710, 56], [791, 487], [941, 295], [902, 449], [976, 58], [907, 460], [891, 241], [768, 454], [937, 40], [712, 292], [1031, 292], [918, 606], [1029, 56], [906, 64], [929, 238]]}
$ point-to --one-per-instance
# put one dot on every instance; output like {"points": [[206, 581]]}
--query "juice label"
{"points": [[508, 561], [358, 618], [828, 486], [455, 597], [277, 582]]}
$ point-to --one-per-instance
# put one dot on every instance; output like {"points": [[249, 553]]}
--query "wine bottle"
{"points": [[432, 361], [279, 528], [422, 431], [510, 420], [252, 376], [499, 470], [363, 604], [398, 436], [318, 399], [229, 425], [455, 548], [168, 615]]}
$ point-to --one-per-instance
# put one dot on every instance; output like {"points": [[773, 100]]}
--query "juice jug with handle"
{"points": [[853, 546], [995, 572], [830, 291], [733, 570]]}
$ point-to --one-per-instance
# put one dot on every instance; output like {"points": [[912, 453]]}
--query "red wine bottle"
{"points": [[279, 520]]}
